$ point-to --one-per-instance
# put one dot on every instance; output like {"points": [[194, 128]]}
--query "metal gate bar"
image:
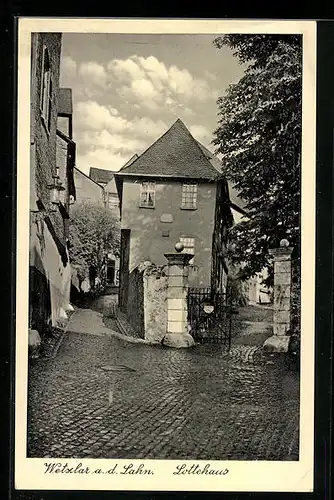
{"points": [[213, 326]]}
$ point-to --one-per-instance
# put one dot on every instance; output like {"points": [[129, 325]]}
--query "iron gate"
{"points": [[210, 316]]}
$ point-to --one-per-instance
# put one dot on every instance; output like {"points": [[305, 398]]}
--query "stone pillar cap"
{"points": [[280, 251], [179, 258]]}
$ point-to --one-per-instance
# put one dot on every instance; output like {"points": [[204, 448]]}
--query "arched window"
{"points": [[46, 90]]}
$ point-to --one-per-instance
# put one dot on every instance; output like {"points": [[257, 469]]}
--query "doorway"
{"points": [[111, 272]]}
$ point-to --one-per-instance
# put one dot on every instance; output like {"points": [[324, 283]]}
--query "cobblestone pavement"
{"points": [[102, 397]]}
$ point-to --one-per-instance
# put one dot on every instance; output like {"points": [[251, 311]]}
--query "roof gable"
{"points": [[175, 154], [218, 165], [111, 186], [100, 176]]}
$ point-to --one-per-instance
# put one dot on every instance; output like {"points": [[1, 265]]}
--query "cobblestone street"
{"points": [[103, 397]]}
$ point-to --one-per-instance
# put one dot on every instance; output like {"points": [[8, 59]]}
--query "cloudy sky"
{"points": [[129, 89]]}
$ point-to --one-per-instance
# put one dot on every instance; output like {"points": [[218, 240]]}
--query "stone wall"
{"points": [[154, 231], [147, 305], [44, 141], [49, 294], [86, 188], [155, 303], [135, 309]]}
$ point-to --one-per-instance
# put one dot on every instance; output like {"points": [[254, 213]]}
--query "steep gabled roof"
{"points": [[235, 199], [99, 175], [175, 154], [89, 178], [132, 159]]}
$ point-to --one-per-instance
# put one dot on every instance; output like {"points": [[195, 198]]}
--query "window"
{"points": [[189, 196], [112, 200], [147, 195], [189, 246], [46, 90]]}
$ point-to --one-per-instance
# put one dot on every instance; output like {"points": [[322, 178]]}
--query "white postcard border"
{"points": [[242, 476]]}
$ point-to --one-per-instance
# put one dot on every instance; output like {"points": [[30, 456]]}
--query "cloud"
{"points": [[101, 158], [93, 116], [68, 69], [121, 106], [201, 133], [155, 70], [151, 83], [93, 74], [125, 69], [146, 127], [115, 142], [90, 115], [144, 89], [106, 139]]}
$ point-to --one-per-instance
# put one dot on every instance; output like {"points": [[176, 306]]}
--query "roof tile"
{"points": [[100, 175], [176, 153]]}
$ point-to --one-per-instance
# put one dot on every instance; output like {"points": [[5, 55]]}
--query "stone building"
{"points": [[100, 176], [105, 179], [87, 189], [52, 158], [173, 192]]}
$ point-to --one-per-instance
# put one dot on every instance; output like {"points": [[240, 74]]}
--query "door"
{"points": [[124, 269], [111, 272]]}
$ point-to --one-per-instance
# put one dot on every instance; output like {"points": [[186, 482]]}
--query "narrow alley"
{"points": [[100, 396]]}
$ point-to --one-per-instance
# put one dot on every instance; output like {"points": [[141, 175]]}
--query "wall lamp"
{"points": [[56, 187]]}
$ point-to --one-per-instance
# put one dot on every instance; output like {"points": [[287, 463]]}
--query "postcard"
{"points": [[165, 255]]}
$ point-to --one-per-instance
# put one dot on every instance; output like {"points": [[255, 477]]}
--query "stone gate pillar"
{"points": [[279, 342], [177, 291]]}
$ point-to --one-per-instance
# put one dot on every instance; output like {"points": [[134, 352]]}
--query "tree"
{"points": [[259, 139], [94, 231]]}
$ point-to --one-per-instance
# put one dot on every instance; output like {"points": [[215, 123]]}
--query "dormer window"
{"points": [[189, 196], [147, 195], [46, 90]]}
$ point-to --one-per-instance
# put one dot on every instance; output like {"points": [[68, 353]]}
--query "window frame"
{"points": [[46, 90], [112, 201], [188, 247], [190, 195], [148, 191]]}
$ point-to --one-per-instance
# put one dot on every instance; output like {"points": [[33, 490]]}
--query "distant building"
{"points": [[87, 189], [256, 291], [52, 157], [111, 197], [173, 192], [105, 178], [100, 176]]}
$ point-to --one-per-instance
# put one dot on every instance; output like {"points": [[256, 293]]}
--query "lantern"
{"points": [[56, 188]]}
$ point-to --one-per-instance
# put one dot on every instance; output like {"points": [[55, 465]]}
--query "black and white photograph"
{"points": [[168, 300]]}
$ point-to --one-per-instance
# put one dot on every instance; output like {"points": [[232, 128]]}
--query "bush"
{"points": [[94, 231], [235, 291]]}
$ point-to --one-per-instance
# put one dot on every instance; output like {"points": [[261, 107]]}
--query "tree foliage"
{"points": [[94, 231], [259, 139]]}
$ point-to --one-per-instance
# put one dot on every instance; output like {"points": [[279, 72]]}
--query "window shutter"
{"points": [[41, 97], [49, 99]]}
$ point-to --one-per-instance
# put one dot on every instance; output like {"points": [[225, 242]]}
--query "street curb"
{"points": [[112, 333], [127, 338], [57, 345], [66, 329], [123, 324]]}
